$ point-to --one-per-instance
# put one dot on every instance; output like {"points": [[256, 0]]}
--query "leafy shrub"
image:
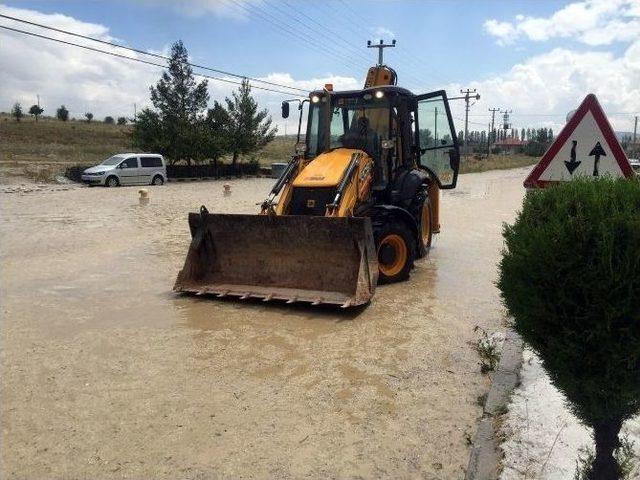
{"points": [[570, 277]]}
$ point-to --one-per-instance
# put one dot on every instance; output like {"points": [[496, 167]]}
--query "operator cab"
{"points": [[397, 129]]}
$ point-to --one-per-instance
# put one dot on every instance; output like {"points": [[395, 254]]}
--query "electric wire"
{"points": [[139, 60], [151, 54], [284, 30]]}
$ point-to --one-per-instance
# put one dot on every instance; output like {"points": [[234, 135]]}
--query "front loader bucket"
{"points": [[292, 258]]}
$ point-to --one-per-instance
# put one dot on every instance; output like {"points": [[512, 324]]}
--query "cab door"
{"points": [[438, 151]]}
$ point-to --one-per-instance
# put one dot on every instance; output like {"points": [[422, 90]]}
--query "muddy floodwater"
{"points": [[108, 374]]}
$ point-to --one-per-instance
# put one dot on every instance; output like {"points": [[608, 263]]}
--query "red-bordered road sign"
{"points": [[586, 146]]}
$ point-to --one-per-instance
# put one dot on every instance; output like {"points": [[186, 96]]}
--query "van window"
{"points": [[151, 161], [130, 163]]}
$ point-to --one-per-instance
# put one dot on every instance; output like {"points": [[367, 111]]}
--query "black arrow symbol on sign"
{"points": [[573, 164], [597, 152]]}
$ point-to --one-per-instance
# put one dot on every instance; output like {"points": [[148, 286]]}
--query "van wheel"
{"points": [[157, 180], [112, 182], [396, 250]]}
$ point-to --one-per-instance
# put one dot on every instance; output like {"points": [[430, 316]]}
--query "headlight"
{"points": [[100, 173]]}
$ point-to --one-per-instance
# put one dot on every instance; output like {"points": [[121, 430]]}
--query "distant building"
{"points": [[509, 145]]}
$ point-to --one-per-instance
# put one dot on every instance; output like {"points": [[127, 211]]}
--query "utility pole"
{"points": [[381, 46], [493, 118], [635, 130], [467, 97], [38, 95]]}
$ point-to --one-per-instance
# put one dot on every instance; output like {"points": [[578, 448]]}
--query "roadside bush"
{"points": [[74, 172], [213, 170], [570, 278], [109, 120]]}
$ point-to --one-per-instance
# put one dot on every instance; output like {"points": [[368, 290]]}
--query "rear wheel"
{"points": [[396, 252], [157, 180], [112, 182], [426, 230]]}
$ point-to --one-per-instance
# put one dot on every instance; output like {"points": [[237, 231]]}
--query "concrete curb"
{"points": [[484, 461]]}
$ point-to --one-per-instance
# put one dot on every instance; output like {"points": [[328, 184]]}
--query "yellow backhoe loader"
{"points": [[356, 205]]}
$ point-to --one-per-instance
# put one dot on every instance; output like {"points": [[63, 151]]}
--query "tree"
{"points": [[217, 135], [570, 278], [16, 111], [179, 104], [523, 134], [62, 113], [250, 129], [89, 116], [109, 120], [36, 111], [122, 120]]}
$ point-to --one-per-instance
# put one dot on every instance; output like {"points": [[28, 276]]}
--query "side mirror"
{"points": [[285, 109]]}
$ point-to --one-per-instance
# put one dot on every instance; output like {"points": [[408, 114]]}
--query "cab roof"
{"points": [[350, 93]]}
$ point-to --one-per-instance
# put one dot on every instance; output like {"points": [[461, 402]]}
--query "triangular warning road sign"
{"points": [[586, 146]]}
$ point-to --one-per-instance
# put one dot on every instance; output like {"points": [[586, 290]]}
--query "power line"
{"points": [[285, 30], [139, 60], [326, 30], [351, 54], [151, 54]]}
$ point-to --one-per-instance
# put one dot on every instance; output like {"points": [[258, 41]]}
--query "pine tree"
{"points": [[250, 129], [179, 104]]}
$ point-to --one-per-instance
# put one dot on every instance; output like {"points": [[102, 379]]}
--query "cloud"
{"points": [[542, 89], [87, 81], [592, 22], [383, 33]]}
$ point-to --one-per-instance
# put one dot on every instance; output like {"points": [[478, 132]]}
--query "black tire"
{"points": [[391, 268], [157, 180], [112, 182], [425, 233]]}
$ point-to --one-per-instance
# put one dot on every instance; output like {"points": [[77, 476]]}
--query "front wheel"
{"points": [[112, 182], [396, 252]]}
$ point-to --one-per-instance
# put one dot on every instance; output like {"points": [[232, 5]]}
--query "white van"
{"points": [[128, 169]]}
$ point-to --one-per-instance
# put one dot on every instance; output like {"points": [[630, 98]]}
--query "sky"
{"points": [[538, 59]]}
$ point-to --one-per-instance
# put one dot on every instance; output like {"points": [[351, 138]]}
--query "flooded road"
{"points": [[107, 374]]}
